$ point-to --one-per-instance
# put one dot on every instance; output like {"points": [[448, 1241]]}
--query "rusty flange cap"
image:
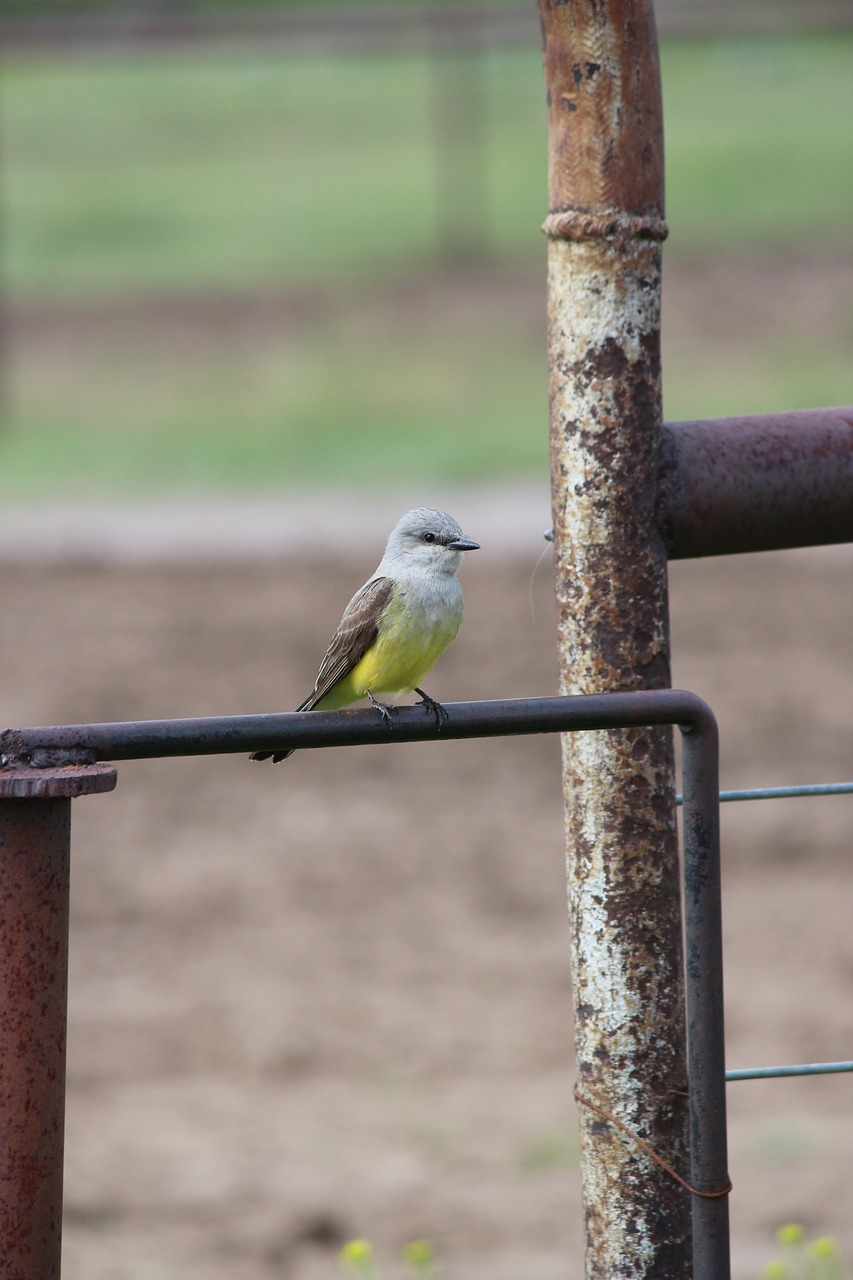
{"points": [[27, 783]]}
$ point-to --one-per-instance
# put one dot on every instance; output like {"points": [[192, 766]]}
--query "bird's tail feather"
{"points": [[277, 756]]}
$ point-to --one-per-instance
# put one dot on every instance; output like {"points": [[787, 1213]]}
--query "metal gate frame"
{"points": [[41, 769]]}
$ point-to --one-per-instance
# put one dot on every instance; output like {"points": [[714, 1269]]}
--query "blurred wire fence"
{"points": [[442, 25]]}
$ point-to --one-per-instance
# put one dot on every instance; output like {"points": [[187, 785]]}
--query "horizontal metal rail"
{"points": [[758, 483], [219, 735], [776, 1073], [785, 793]]}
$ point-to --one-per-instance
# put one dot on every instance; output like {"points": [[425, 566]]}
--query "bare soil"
{"points": [[331, 998]]}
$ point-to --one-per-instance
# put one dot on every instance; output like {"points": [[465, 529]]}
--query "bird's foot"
{"points": [[384, 709], [435, 708]]}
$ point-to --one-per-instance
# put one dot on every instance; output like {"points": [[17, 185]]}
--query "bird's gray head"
{"points": [[428, 538]]}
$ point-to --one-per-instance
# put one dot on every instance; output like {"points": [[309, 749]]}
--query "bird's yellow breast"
{"points": [[409, 642]]}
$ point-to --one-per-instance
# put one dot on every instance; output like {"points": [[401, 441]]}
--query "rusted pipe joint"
{"points": [[615, 225]]}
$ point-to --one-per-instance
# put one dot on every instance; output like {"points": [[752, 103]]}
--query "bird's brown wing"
{"points": [[355, 634]]}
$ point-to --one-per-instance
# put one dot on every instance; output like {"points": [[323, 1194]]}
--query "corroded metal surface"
{"points": [[705, 1010], [605, 165], [68, 780], [602, 89], [757, 483], [34, 854], [34, 890]]}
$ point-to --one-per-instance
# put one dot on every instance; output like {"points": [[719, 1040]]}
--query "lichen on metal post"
{"points": [[605, 226]]}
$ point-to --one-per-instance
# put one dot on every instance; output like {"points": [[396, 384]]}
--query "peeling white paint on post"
{"points": [[606, 224], [621, 843]]}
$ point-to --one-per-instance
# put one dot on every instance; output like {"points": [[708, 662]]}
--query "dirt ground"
{"points": [[331, 998]]}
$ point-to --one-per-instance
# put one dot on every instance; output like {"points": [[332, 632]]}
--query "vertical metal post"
{"points": [[605, 224], [35, 828], [705, 1014]]}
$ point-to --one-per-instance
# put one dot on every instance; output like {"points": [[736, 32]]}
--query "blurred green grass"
{"points": [[193, 170], [216, 174], [66, 8], [361, 393]]}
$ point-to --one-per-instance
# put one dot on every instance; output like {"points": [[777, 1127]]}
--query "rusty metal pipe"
{"points": [[757, 483], [704, 988], [291, 730], [605, 223], [34, 870], [34, 888]]}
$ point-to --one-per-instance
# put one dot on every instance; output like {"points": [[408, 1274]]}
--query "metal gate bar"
{"points": [[776, 1073], [35, 761]]}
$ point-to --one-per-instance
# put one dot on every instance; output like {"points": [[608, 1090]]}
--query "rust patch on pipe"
{"points": [[757, 483], [575, 225], [602, 78]]}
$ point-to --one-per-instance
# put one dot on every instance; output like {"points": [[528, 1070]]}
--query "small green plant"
{"points": [[356, 1259], [804, 1259], [420, 1256]]}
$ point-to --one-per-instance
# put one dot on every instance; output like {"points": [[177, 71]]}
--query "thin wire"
{"points": [[784, 793], [530, 583], [805, 1069], [650, 1151]]}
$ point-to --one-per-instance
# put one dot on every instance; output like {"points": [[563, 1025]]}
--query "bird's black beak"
{"points": [[464, 544]]}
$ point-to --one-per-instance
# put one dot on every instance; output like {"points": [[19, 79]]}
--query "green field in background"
{"points": [[113, 8], [193, 171], [146, 176]]}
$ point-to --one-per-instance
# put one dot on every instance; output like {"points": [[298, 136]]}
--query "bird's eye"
{"points": [[429, 537]]}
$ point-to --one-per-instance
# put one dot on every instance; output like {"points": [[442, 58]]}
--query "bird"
{"points": [[397, 626]]}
